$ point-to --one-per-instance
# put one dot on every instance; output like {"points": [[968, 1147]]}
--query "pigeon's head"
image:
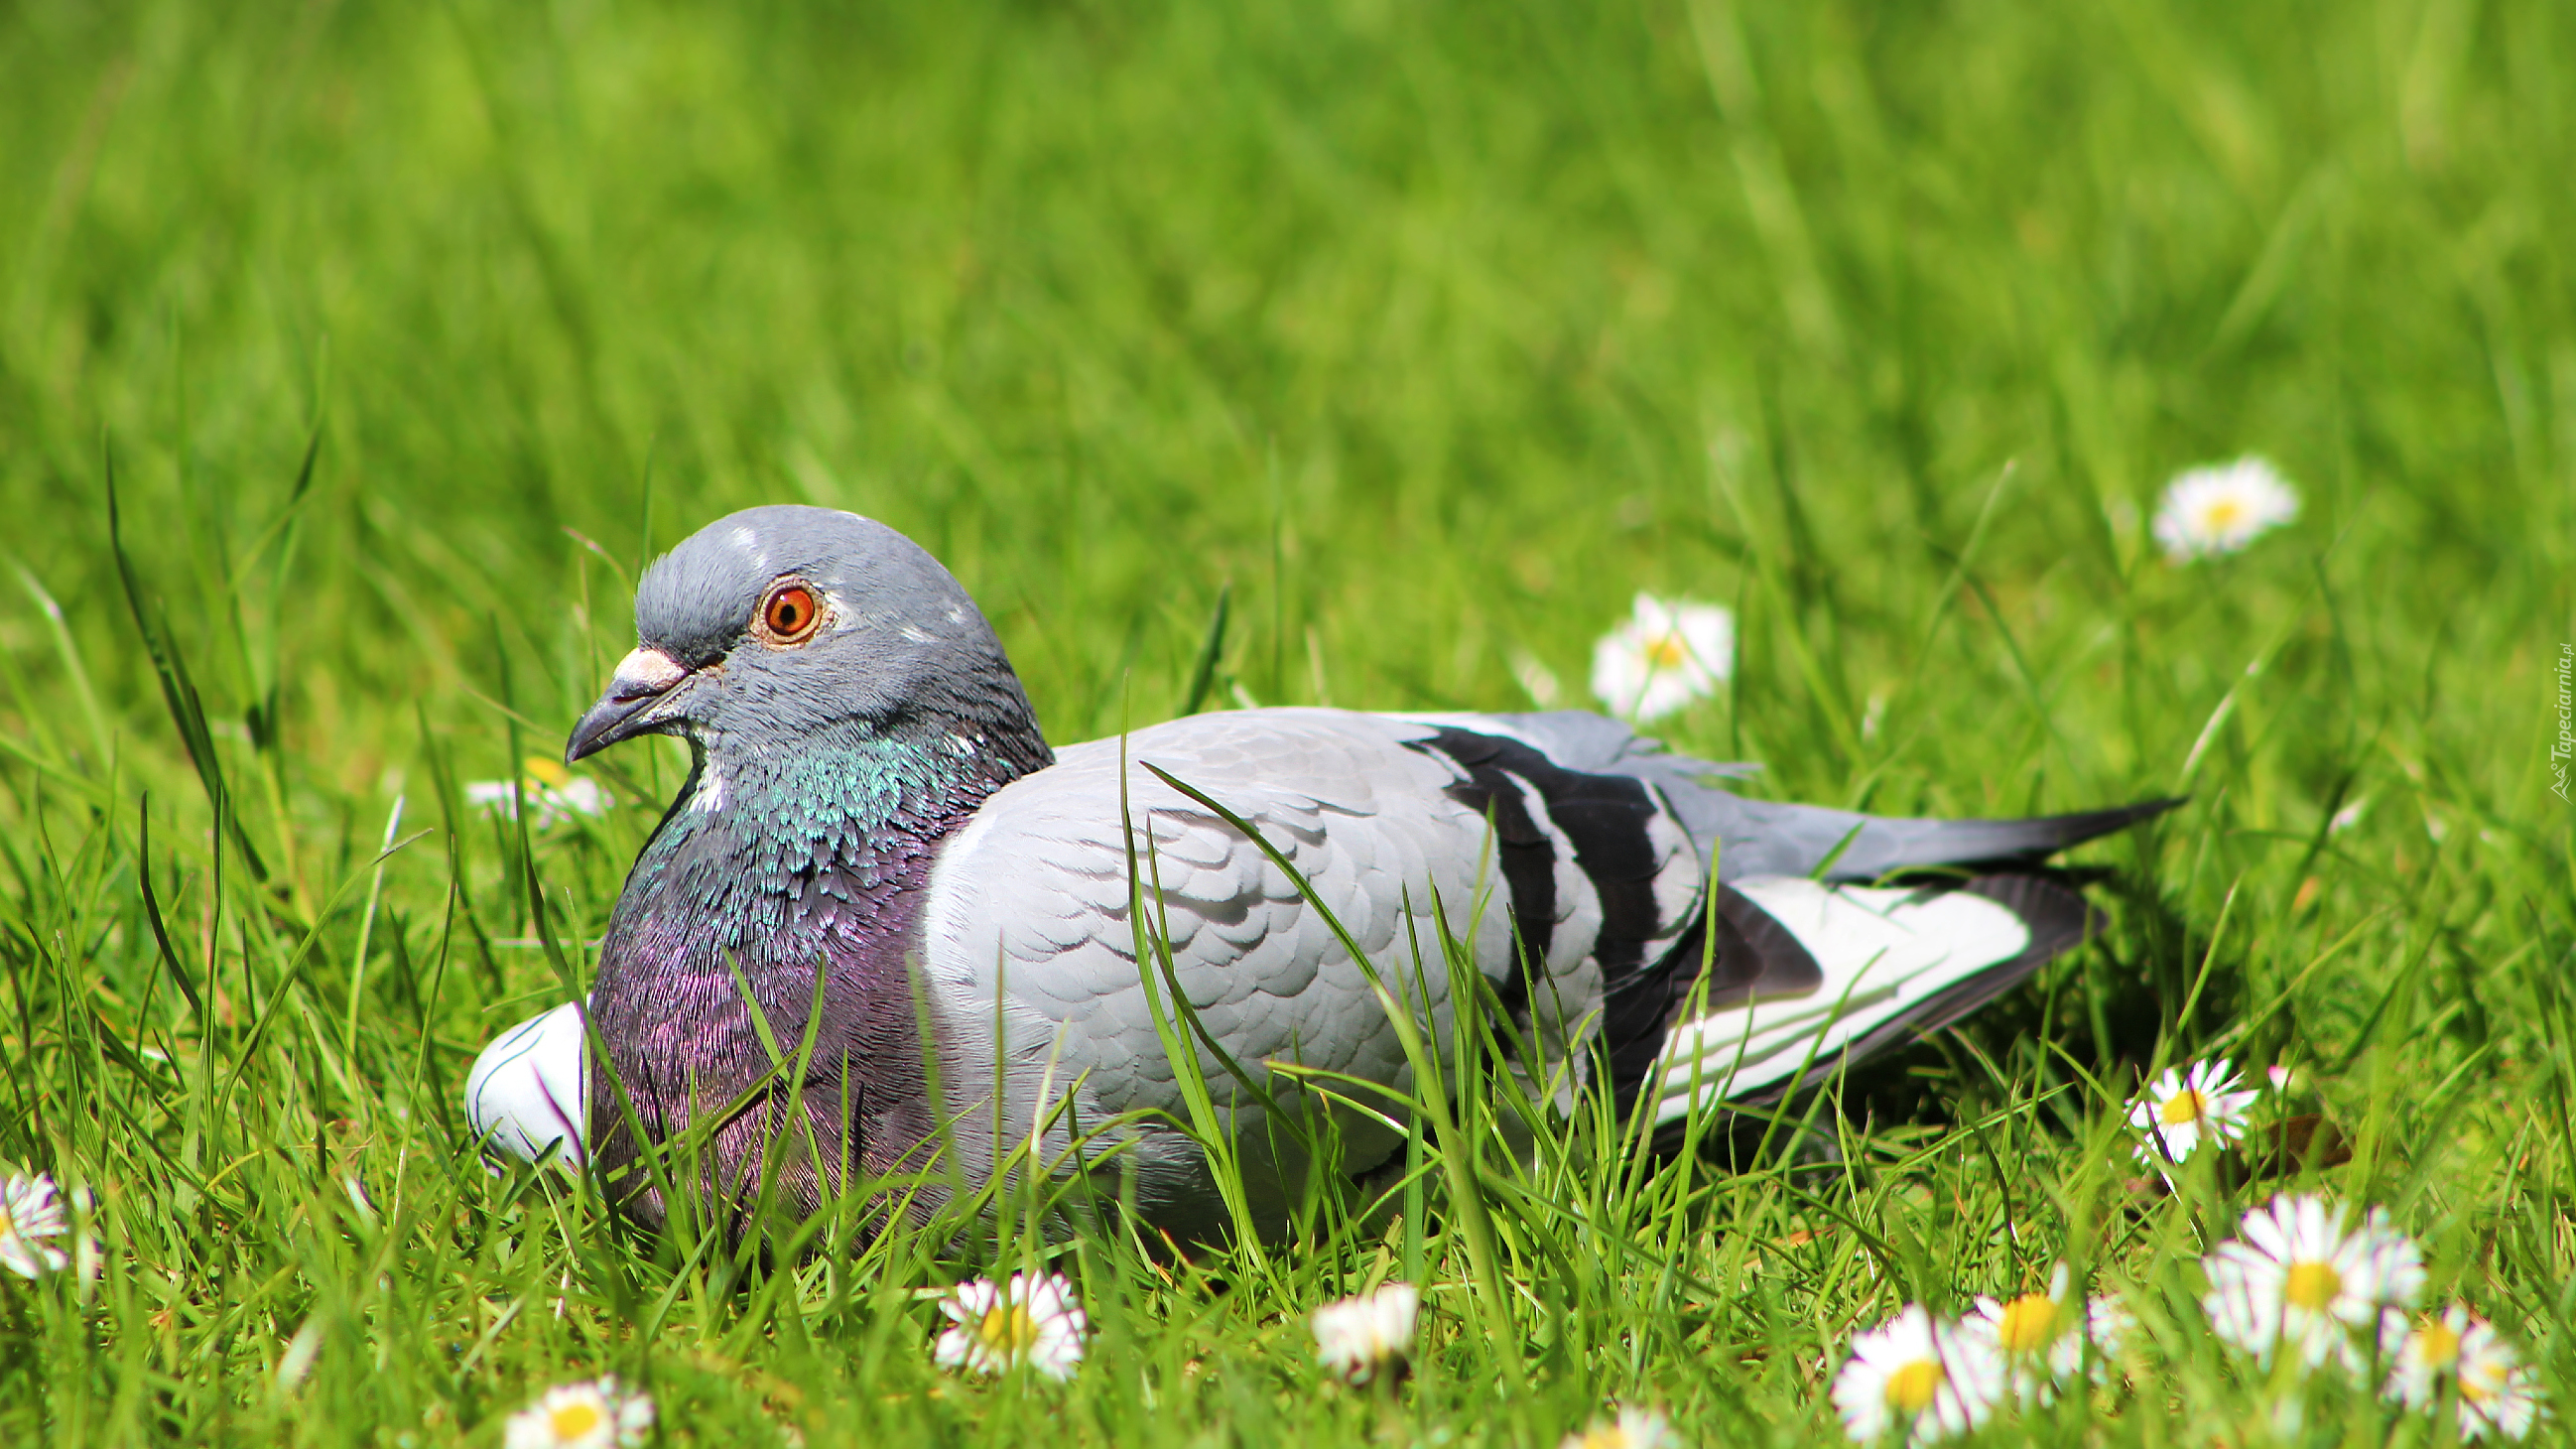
{"points": [[773, 624]]}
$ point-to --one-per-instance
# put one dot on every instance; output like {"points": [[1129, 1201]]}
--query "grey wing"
{"points": [[1030, 947]]}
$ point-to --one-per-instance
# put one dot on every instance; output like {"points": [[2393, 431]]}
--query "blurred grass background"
{"points": [[1432, 334]]}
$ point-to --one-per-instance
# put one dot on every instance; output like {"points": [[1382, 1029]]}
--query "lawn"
{"points": [[1415, 340]]}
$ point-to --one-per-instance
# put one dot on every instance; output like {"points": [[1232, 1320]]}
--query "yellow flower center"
{"points": [[2184, 1107], [1667, 651], [2222, 514], [1009, 1331], [574, 1420], [1910, 1389], [2030, 1323], [1605, 1436], [2481, 1383], [7, 1226], [546, 772], [2436, 1344], [2312, 1285]]}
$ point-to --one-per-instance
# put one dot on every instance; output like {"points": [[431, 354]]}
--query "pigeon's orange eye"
{"points": [[789, 614]]}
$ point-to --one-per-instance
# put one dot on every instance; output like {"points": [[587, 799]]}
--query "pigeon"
{"points": [[885, 934]]}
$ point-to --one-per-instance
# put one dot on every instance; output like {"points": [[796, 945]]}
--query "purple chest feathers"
{"points": [[794, 907]]}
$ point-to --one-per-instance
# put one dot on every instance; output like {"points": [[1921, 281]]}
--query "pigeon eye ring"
{"points": [[788, 614]]}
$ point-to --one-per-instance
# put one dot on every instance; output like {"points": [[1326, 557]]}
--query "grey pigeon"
{"points": [[875, 842]]}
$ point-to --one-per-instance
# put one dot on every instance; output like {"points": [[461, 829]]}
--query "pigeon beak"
{"points": [[626, 710]]}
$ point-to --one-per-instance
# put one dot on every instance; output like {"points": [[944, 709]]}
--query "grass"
{"points": [[1423, 336]]}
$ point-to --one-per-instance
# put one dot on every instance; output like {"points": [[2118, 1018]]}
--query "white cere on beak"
{"points": [[645, 671]]}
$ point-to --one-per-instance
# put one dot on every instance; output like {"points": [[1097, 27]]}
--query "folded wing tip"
{"points": [[525, 1094]]}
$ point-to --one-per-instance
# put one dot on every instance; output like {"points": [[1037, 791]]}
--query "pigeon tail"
{"points": [[1764, 837]]}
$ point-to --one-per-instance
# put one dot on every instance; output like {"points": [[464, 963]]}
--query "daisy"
{"points": [[2042, 1335], [2221, 509], [1536, 680], [1933, 1380], [1034, 1321], [2495, 1391], [2186, 1107], [1358, 1336], [1670, 652], [555, 793], [2298, 1281], [1633, 1428], [2109, 1325], [31, 1214], [599, 1414]]}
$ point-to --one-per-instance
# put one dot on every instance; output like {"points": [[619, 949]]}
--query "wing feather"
{"points": [[1023, 911], [1882, 960]]}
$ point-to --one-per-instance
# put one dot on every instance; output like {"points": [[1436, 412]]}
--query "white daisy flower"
{"points": [[2222, 508], [1357, 1337], [2110, 1326], [31, 1217], [2042, 1335], [1935, 1380], [1034, 1321], [2298, 1282], [1670, 652], [2496, 1394], [1873, 715], [2186, 1107], [1631, 1428], [553, 792], [599, 1414], [1536, 680]]}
